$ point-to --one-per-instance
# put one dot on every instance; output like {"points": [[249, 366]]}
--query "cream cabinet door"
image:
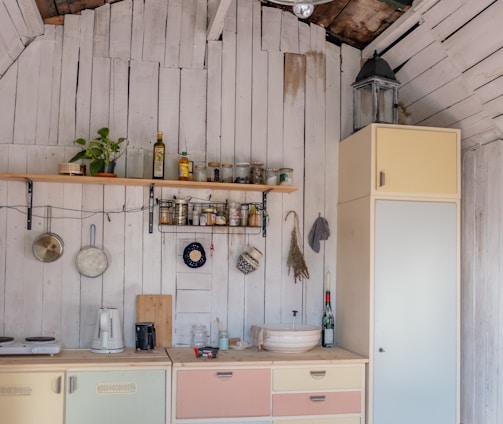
{"points": [[31, 397], [416, 161]]}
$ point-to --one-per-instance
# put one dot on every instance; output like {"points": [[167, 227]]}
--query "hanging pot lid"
{"points": [[194, 255]]}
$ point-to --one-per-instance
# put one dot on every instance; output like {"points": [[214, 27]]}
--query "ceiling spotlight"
{"points": [[303, 9]]}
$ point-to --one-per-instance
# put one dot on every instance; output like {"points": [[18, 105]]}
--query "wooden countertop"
{"points": [[85, 359], [185, 357]]}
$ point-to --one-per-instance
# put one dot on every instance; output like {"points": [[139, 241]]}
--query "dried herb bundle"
{"points": [[295, 258]]}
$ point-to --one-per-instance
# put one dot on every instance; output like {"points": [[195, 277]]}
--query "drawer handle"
{"points": [[318, 374], [321, 398], [56, 385], [227, 374]]}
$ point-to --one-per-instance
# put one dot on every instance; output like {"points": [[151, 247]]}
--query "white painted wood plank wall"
{"points": [[250, 96]]}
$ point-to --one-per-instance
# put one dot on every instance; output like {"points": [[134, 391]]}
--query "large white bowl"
{"points": [[285, 339]]}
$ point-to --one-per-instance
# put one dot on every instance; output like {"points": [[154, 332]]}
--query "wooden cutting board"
{"points": [[156, 308]]}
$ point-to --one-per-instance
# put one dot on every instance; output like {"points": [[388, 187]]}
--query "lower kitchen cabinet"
{"points": [[222, 393], [32, 397], [116, 396]]}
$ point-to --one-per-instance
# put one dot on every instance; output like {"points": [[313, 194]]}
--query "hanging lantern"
{"points": [[375, 94]]}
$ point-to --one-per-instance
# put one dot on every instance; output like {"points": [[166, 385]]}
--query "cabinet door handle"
{"points": [[382, 178], [321, 398], [318, 374], [56, 385], [227, 374], [72, 384]]}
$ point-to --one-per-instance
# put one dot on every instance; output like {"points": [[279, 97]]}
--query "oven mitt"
{"points": [[319, 231]]}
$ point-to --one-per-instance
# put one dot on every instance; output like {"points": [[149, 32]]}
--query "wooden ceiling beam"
{"points": [[216, 25]]}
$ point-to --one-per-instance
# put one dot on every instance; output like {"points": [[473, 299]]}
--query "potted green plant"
{"points": [[102, 152]]}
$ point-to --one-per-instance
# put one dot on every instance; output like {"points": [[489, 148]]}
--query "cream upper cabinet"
{"points": [[398, 160]]}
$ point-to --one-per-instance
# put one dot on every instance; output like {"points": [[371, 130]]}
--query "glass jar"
{"points": [[234, 214], [207, 217], [244, 215], [181, 212], [213, 172], [256, 172], [271, 176], [286, 176], [223, 340], [199, 336], [226, 173], [242, 173], [165, 213], [200, 173], [220, 218]]}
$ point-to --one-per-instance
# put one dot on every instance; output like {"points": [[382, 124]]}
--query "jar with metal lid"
{"points": [[220, 218], [234, 214], [256, 172], [271, 176], [226, 173], [286, 176], [200, 173], [213, 172], [165, 212], [244, 215], [209, 217], [242, 173]]}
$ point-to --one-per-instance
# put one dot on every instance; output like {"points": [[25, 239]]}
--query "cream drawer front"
{"points": [[331, 420], [317, 378], [291, 404], [223, 393]]}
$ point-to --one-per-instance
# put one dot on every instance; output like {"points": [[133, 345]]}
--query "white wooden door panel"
{"points": [[415, 313]]}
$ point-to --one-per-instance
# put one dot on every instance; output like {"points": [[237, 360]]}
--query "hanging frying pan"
{"points": [[91, 261], [48, 246]]}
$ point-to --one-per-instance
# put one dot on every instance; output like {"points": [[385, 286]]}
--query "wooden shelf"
{"points": [[76, 179]]}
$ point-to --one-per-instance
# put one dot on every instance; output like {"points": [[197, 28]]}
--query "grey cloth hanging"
{"points": [[319, 231]]}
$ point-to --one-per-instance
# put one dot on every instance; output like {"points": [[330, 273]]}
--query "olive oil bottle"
{"points": [[158, 163]]}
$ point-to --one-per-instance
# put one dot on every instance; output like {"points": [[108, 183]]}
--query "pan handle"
{"points": [[92, 234]]}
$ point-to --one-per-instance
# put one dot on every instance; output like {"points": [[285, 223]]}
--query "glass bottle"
{"points": [[183, 167], [328, 323], [158, 162]]}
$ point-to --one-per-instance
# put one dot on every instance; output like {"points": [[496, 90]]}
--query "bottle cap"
{"points": [[159, 134]]}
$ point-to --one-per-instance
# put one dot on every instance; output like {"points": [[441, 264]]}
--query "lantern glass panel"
{"points": [[385, 104], [363, 106]]}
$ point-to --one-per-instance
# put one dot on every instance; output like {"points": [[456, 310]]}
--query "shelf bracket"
{"points": [[265, 217], [151, 209], [29, 202]]}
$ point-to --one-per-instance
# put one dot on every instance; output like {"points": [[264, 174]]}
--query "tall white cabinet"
{"points": [[397, 296]]}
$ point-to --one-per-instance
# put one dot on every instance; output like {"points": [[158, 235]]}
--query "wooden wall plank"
{"points": [[350, 66], [100, 95], [271, 29], [228, 99], [192, 111], [169, 118], [44, 98], [138, 27], [32, 18], [7, 99], [173, 33], [69, 69], [85, 74], [289, 33], [120, 29], [14, 31], [201, 22], [154, 36], [187, 33], [242, 141], [25, 119], [56, 86], [101, 39], [214, 106]]}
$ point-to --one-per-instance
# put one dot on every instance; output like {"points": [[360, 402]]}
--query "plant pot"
{"points": [[108, 172]]}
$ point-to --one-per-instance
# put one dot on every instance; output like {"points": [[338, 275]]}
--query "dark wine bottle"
{"points": [[328, 321], [158, 163]]}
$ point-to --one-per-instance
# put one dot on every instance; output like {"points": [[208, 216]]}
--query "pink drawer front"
{"points": [[286, 404], [223, 393]]}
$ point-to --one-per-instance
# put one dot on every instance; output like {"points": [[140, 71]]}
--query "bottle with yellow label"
{"points": [[183, 167], [158, 163]]}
